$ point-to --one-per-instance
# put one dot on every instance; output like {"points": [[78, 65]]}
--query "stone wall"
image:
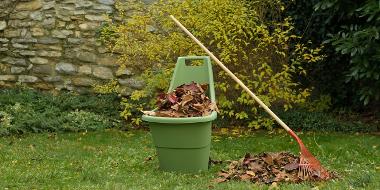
{"points": [[51, 44]]}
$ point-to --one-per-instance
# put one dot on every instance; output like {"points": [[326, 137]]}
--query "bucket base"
{"points": [[182, 147], [184, 159]]}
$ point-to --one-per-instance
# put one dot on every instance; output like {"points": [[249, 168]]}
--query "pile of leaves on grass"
{"points": [[187, 100], [265, 168]]}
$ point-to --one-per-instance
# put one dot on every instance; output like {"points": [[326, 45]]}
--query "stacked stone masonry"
{"points": [[52, 44]]}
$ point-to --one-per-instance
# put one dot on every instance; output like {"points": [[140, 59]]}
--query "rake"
{"points": [[309, 166]]}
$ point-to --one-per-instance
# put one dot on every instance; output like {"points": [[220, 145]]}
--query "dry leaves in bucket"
{"points": [[265, 168], [187, 100]]}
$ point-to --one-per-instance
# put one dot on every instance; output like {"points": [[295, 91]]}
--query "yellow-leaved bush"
{"points": [[250, 38]]}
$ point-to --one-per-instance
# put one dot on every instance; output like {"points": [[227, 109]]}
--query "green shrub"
{"points": [[350, 31], [101, 104], [24, 111], [301, 119], [83, 120], [360, 42], [249, 37]]}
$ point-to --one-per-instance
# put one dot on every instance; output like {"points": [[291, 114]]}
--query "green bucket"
{"points": [[183, 144]]}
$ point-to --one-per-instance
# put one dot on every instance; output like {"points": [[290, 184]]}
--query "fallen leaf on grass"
{"points": [[273, 186], [219, 180], [245, 177], [223, 174], [211, 161], [255, 167], [268, 168], [291, 166], [149, 158], [268, 159], [251, 173]]}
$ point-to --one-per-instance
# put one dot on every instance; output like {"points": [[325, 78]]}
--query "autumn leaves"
{"points": [[187, 100]]}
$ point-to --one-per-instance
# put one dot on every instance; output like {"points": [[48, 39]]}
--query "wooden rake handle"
{"points": [[269, 111]]}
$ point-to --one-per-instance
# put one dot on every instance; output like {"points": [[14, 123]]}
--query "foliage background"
{"points": [[349, 30], [251, 38]]}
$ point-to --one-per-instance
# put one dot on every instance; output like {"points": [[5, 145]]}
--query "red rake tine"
{"points": [[309, 165]]}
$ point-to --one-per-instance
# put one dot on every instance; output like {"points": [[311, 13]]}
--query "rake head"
{"points": [[309, 166]]}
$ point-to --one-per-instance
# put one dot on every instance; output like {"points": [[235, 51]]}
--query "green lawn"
{"points": [[116, 160]]}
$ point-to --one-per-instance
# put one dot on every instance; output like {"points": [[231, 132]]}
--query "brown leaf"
{"points": [[164, 113], [219, 180], [247, 161], [275, 171], [223, 174], [293, 178], [199, 107], [206, 113], [277, 155], [233, 165], [200, 88], [204, 87], [175, 107], [149, 158], [213, 107], [268, 159], [245, 177], [172, 97], [255, 167], [169, 114], [250, 173], [186, 98], [291, 166], [273, 186], [179, 91], [191, 87], [152, 113], [280, 176]]}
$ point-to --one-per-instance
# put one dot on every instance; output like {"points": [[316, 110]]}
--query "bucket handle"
{"points": [[204, 59]]}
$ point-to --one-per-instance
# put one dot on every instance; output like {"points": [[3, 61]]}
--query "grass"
{"points": [[113, 159]]}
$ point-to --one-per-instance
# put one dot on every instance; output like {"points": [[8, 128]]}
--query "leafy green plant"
{"points": [[111, 87], [80, 120], [302, 119], [5, 123], [25, 110], [249, 37], [322, 104], [350, 33], [361, 42]]}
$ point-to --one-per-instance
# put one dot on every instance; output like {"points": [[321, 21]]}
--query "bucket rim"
{"points": [[155, 119]]}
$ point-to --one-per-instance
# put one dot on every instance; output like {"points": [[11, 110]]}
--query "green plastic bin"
{"points": [[183, 144]]}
